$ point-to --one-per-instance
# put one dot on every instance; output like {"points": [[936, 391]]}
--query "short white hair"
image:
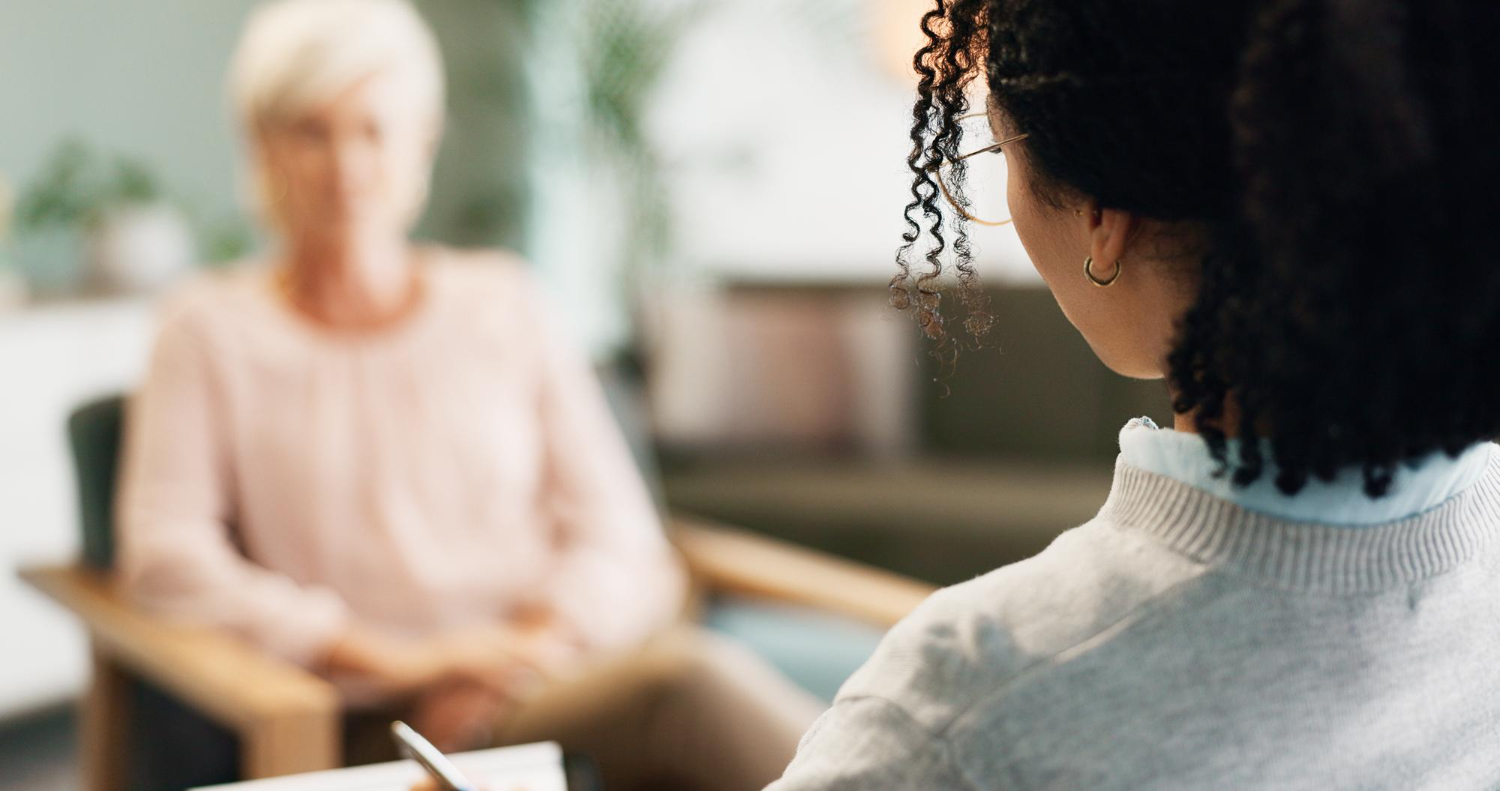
{"points": [[298, 54]]}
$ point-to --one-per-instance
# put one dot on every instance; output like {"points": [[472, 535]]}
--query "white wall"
{"points": [[141, 78], [816, 104], [69, 354]]}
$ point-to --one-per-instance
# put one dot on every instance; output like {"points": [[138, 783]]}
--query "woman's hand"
{"points": [[459, 716], [492, 671], [506, 660], [388, 667], [500, 659]]}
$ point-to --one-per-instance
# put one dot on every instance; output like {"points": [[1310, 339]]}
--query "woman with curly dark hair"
{"points": [[1287, 210]]}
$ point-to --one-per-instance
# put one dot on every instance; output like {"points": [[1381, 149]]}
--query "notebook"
{"points": [[527, 767]]}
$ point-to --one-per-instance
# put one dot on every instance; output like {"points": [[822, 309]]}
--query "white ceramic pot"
{"points": [[138, 248]]}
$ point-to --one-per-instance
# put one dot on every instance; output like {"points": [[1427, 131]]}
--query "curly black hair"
{"points": [[1340, 161]]}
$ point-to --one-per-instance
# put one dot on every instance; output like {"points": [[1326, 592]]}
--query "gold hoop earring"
{"points": [[1088, 272]]}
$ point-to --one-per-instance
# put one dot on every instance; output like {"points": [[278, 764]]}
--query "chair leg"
{"points": [[103, 738], [292, 744]]}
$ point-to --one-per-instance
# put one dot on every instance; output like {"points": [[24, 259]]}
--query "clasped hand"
{"points": [[461, 684]]}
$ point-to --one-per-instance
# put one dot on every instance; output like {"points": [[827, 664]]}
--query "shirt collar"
{"points": [[1416, 487]]}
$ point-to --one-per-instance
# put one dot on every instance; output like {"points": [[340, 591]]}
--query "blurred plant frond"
{"points": [[78, 184], [625, 51], [629, 46], [224, 240]]}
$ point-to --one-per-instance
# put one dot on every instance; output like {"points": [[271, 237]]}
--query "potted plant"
{"points": [[133, 239]]}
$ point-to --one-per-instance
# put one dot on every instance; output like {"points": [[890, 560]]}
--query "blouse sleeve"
{"points": [[615, 579], [176, 553]]}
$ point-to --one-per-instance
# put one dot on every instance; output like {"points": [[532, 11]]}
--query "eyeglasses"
{"points": [[944, 173]]}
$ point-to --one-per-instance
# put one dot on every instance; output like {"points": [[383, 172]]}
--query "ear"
{"points": [[1110, 232]]}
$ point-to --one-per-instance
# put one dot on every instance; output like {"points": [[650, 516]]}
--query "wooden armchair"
{"points": [[288, 720]]}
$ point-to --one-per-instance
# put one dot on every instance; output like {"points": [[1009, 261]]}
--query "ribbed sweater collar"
{"points": [[1317, 558]]}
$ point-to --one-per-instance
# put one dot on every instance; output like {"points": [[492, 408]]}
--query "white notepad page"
{"points": [[527, 767]]}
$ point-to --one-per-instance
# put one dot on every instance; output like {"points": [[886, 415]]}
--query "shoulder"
{"points": [[208, 302], [483, 273], [497, 298], [492, 295], [969, 642], [910, 711]]}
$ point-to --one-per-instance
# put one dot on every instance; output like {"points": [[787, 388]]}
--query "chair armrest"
{"points": [[736, 561], [213, 672]]}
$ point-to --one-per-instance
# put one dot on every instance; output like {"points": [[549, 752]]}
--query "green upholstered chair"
{"points": [[94, 434]]}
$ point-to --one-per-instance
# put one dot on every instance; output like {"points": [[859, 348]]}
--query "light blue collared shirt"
{"points": [[1342, 501]]}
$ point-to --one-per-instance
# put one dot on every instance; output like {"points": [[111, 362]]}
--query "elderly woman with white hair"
{"points": [[378, 460]]}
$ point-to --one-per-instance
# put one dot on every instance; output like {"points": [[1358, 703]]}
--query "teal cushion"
{"points": [[813, 648]]}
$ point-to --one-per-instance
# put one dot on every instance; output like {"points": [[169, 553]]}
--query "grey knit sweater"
{"points": [[1177, 641]]}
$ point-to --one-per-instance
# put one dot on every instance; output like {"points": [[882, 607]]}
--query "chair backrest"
{"points": [[94, 432]]}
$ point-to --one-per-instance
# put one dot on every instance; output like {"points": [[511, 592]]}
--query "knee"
{"points": [[690, 659]]}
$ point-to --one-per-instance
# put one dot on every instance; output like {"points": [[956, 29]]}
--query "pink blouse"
{"points": [[281, 479]]}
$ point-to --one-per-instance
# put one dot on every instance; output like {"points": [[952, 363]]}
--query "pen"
{"points": [[430, 759]]}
